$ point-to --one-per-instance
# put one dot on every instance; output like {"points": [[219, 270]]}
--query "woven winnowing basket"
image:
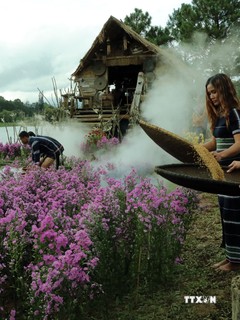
{"points": [[183, 150], [173, 144]]}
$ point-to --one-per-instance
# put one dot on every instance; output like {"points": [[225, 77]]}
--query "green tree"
{"points": [[182, 23], [140, 22], [217, 18], [50, 113], [6, 116], [205, 33], [15, 110], [213, 26], [158, 35]]}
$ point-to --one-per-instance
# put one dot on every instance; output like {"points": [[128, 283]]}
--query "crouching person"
{"points": [[45, 150]]}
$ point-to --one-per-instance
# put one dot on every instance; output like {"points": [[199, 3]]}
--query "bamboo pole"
{"points": [[44, 96], [235, 289], [9, 140]]}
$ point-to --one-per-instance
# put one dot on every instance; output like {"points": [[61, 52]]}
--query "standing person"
{"points": [[43, 146], [223, 110]]}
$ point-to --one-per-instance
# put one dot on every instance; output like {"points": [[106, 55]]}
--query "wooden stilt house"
{"points": [[113, 76]]}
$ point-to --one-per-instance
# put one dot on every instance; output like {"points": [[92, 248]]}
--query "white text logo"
{"points": [[200, 299]]}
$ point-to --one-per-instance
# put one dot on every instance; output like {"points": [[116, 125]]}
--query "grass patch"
{"points": [[8, 124]]}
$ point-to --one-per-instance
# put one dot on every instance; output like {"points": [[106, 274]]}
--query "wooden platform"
{"points": [[95, 115]]}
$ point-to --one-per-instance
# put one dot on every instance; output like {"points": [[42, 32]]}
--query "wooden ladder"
{"points": [[135, 106]]}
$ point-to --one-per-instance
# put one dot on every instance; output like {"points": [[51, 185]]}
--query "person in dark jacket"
{"points": [[45, 150]]}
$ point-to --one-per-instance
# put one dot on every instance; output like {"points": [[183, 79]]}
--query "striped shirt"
{"points": [[45, 146], [225, 134]]}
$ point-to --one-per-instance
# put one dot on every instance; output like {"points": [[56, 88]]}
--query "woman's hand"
{"points": [[234, 166], [217, 155]]}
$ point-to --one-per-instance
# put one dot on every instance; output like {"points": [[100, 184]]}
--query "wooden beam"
{"points": [[125, 44], [108, 47]]}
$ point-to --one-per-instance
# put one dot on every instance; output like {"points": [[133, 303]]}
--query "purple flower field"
{"points": [[9, 151], [73, 236]]}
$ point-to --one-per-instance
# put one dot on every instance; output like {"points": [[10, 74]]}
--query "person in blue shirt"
{"points": [[45, 150]]}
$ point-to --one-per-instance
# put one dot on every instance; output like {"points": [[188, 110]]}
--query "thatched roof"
{"points": [[110, 29]]}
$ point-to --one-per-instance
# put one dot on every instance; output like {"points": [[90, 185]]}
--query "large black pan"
{"points": [[199, 178]]}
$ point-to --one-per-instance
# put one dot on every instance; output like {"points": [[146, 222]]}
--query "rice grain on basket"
{"points": [[192, 150], [205, 158]]}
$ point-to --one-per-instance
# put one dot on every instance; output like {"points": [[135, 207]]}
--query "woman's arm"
{"points": [[210, 145], [230, 152]]}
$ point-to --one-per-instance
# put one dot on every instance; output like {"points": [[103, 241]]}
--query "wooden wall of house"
{"points": [[92, 79]]}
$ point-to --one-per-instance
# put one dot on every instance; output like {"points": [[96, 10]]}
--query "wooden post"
{"points": [[108, 47], [134, 110], [235, 289], [125, 44]]}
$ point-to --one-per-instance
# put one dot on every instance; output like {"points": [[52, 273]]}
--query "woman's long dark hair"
{"points": [[227, 96]]}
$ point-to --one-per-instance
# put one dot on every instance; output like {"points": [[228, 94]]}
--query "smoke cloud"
{"points": [[177, 93]]}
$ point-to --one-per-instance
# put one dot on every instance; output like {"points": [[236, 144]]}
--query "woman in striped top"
{"points": [[223, 109]]}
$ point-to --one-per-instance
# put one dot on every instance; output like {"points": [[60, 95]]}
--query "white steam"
{"points": [[177, 93]]}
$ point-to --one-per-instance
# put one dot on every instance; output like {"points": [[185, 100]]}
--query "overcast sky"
{"points": [[45, 39]]}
